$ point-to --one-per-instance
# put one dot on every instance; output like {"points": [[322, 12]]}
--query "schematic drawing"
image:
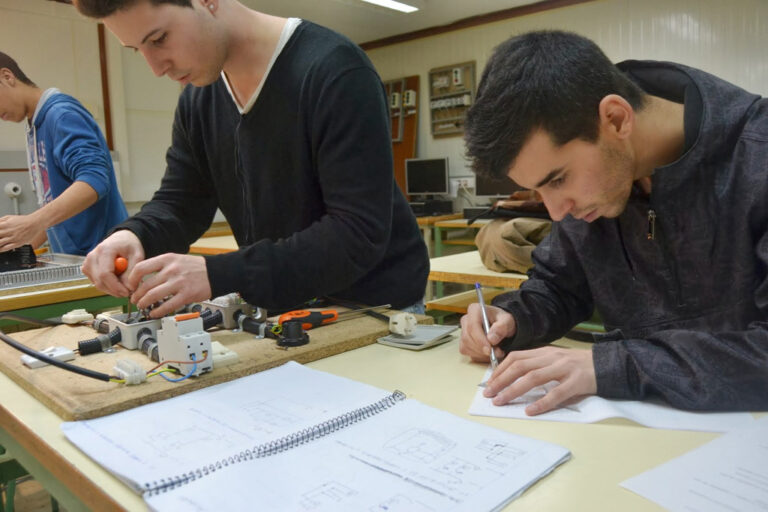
{"points": [[400, 503], [421, 445], [500, 454], [329, 493], [180, 440]]}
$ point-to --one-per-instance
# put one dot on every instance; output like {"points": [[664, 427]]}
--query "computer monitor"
{"points": [[491, 188], [426, 176]]}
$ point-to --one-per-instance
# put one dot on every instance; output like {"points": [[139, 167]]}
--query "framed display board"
{"points": [[402, 94], [451, 93]]}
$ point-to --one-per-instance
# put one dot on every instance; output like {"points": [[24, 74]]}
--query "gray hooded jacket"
{"points": [[686, 311]]}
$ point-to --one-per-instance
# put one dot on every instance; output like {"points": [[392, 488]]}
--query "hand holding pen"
{"points": [[486, 325]]}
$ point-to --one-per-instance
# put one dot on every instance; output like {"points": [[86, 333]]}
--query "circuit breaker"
{"points": [[184, 344]]}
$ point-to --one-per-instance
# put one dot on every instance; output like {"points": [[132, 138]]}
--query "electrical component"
{"points": [[222, 356], [58, 353], [76, 316], [457, 77], [402, 323], [131, 332], [409, 98], [394, 100], [130, 371], [182, 338], [231, 307]]}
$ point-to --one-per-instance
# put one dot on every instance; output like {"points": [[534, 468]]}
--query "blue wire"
{"points": [[194, 369]]}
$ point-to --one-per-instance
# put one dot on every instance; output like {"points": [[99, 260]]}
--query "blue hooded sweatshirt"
{"points": [[64, 145]]}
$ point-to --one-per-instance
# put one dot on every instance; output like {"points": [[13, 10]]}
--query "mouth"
{"points": [[591, 216], [183, 79]]}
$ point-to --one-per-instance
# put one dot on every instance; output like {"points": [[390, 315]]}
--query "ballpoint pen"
{"points": [[486, 325]]}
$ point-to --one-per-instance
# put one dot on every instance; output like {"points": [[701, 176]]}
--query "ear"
{"points": [[209, 5], [7, 76], [617, 117]]}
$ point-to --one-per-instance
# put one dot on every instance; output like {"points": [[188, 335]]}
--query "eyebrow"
{"points": [[549, 177]]}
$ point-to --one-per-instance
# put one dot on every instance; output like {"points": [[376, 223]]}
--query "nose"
{"points": [[557, 207], [158, 64]]}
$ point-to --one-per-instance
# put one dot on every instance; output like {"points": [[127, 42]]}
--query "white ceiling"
{"points": [[363, 22]]}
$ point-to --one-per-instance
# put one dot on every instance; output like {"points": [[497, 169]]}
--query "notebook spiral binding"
{"points": [[279, 445]]}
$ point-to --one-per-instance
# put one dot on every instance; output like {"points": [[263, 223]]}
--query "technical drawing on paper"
{"points": [[169, 441], [400, 503], [500, 454], [276, 415], [420, 445], [330, 493]]}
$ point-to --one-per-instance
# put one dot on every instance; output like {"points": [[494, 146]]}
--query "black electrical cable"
{"points": [[211, 319], [55, 362], [39, 355]]}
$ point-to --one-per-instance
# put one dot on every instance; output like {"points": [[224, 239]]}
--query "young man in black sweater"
{"points": [[283, 125]]}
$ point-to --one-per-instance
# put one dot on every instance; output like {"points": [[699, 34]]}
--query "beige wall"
{"points": [[727, 38], [57, 47]]}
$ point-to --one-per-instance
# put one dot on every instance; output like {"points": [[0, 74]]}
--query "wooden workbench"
{"points": [[73, 396]]}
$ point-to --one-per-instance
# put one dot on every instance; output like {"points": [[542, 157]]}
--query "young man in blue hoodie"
{"points": [[70, 168]]}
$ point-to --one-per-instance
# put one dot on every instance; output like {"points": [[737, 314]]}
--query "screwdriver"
{"points": [[121, 264], [310, 319]]}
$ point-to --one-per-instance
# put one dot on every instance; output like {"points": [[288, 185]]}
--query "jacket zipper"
{"points": [[651, 224], [658, 236]]}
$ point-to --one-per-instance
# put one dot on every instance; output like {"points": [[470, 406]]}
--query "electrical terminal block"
{"points": [[222, 356], [130, 371], [76, 316], [402, 324], [58, 353]]}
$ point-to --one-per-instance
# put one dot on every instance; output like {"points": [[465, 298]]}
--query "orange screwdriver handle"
{"points": [[309, 319], [120, 265]]}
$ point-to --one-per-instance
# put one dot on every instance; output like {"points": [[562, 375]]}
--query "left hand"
{"points": [[18, 230], [523, 370], [182, 279]]}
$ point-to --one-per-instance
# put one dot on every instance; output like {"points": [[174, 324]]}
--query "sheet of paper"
{"points": [[408, 458], [729, 473], [593, 408], [178, 435]]}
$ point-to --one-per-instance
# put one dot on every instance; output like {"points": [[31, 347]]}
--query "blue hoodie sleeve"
{"points": [[81, 152]]}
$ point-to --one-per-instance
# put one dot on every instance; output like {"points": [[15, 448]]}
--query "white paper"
{"points": [[408, 458], [174, 436], [594, 408], [729, 473]]}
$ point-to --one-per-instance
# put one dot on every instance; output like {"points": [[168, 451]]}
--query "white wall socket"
{"points": [[459, 182]]}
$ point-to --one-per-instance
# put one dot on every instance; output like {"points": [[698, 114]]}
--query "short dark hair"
{"points": [[549, 80], [7, 62], [102, 8]]}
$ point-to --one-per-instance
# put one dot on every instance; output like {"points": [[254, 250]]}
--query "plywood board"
{"points": [[76, 397]]}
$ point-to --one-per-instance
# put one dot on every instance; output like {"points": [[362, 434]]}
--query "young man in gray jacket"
{"points": [[657, 176]]}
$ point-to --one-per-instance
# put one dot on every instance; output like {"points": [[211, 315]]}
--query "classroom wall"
{"points": [[725, 38], [57, 47]]}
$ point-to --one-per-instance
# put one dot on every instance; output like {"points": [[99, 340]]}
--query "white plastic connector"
{"points": [[402, 324], [76, 316], [58, 353], [130, 371], [222, 356]]}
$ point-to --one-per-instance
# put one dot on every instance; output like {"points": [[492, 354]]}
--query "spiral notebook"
{"points": [[293, 438]]}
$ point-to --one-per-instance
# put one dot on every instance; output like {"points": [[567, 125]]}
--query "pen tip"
{"points": [[477, 285]]}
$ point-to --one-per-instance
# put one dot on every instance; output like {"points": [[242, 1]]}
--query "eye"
{"points": [[557, 182], [160, 40]]}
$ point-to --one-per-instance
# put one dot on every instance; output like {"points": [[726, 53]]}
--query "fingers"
{"points": [[99, 264], [474, 342], [169, 282], [522, 371]]}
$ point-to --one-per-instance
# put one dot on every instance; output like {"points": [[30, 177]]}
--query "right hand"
{"points": [[99, 264], [474, 342]]}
